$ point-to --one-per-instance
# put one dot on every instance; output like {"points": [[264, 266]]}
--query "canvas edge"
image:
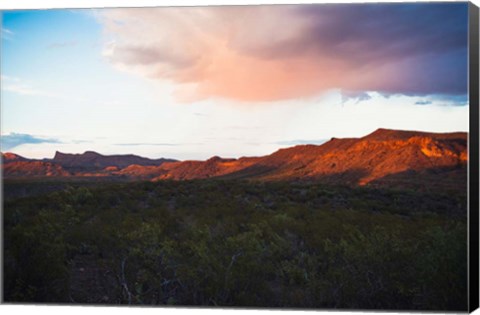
{"points": [[473, 215], [473, 182]]}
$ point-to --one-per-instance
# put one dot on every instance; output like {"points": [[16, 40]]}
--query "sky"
{"points": [[193, 82]]}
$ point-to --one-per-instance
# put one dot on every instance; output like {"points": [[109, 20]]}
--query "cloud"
{"points": [[13, 140], [81, 141], [18, 86], [356, 96], [15, 85], [7, 34], [23, 90], [266, 53], [451, 100], [423, 102]]}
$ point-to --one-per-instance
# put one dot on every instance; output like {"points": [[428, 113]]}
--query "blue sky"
{"points": [[169, 83]]}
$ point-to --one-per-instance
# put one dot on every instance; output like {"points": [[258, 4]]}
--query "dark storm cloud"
{"points": [[268, 53]]}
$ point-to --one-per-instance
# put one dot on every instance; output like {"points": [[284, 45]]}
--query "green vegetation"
{"points": [[235, 243]]}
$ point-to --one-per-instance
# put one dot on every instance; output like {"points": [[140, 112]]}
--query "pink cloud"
{"points": [[265, 53]]}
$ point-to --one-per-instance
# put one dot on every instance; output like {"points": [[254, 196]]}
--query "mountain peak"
{"points": [[389, 134], [9, 156], [59, 154], [91, 153], [92, 160], [215, 158]]}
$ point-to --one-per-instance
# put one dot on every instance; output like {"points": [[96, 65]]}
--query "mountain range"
{"points": [[384, 157]]}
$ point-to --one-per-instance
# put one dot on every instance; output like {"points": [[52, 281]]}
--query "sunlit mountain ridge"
{"points": [[384, 157]]}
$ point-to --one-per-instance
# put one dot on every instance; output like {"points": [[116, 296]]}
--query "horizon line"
{"points": [[240, 157]]}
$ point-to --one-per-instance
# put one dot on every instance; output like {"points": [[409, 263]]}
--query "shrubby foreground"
{"points": [[235, 243]]}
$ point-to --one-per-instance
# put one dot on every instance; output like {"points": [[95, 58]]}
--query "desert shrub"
{"points": [[237, 243]]}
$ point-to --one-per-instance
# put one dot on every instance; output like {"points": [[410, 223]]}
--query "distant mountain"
{"points": [[87, 164], [91, 161], [33, 169], [384, 158], [11, 157], [213, 167]]}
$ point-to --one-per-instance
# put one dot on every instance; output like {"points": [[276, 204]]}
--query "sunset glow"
{"points": [[189, 83]]}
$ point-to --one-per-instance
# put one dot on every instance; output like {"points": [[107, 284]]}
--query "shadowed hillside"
{"points": [[93, 161]]}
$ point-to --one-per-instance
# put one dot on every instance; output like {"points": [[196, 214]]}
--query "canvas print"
{"points": [[267, 156]]}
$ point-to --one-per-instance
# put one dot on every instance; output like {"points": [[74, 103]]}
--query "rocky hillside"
{"points": [[94, 161], [384, 157]]}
